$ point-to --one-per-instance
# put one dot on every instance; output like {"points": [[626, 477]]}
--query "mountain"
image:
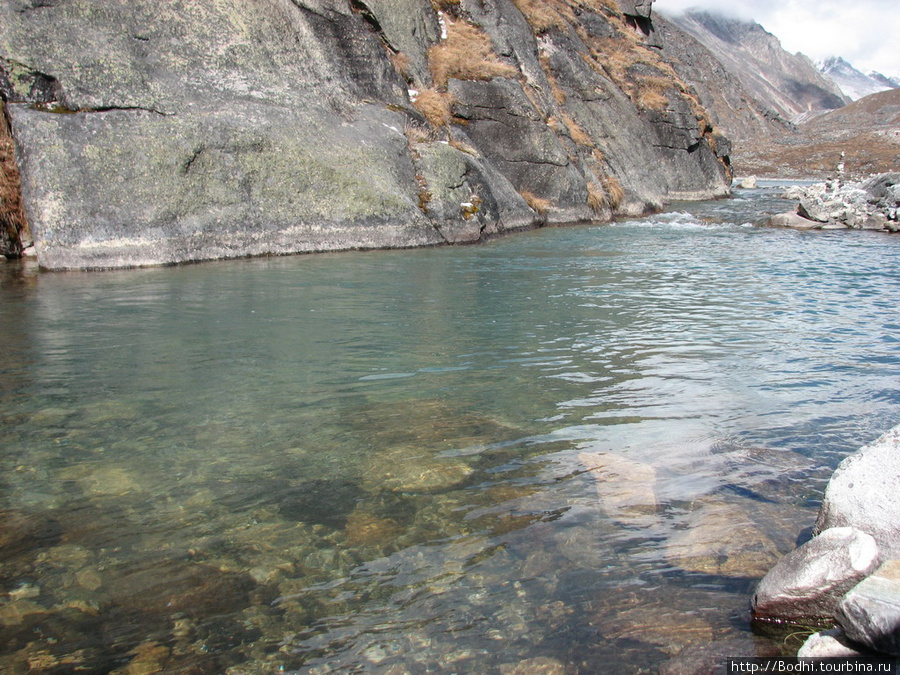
{"points": [[866, 131], [147, 134], [734, 110], [853, 83], [788, 85]]}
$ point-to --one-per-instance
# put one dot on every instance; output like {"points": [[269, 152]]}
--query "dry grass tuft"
{"points": [[538, 204], [436, 106], [417, 133], [650, 99], [466, 54], [462, 146], [401, 63], [13, 222], [614, 192], [576, 133], [597, 199], [544, 15], [449, 6]]}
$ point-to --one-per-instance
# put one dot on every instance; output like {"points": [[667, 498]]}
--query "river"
{"points": [[560, 451]]}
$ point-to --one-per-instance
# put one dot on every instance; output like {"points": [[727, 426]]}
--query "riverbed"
{"points": [[563, 448]]}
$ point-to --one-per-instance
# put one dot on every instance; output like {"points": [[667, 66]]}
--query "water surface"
{"points": [[565, 448]]}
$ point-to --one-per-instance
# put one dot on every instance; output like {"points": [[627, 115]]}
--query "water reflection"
{"points": [[566, 448]]}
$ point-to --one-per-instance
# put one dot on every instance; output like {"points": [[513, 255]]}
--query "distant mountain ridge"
{"points": [[789, 85], [854, 83], [782, 114]]}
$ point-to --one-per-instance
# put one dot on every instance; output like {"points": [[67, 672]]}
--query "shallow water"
{"points": [[565, 448]]}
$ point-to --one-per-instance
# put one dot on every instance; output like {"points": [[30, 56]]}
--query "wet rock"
{"points": [[863, 491], [808, 583], [828, 644], [870, 612], [168, 588], [21, 533], [793, 220], [719, 538]]}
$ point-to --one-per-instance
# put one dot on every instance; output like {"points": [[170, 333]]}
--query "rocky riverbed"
{"points": [[871, 204], [848, 575]]}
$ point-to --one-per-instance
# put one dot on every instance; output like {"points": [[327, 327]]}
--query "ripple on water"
{"points": [[570, 447]]}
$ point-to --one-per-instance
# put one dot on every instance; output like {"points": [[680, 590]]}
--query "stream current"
{"points": [[565, 451]]}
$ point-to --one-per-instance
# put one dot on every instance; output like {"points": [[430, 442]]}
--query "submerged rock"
{"points": [[809, 582], [721, 539], [627, 488], [410, 469]]}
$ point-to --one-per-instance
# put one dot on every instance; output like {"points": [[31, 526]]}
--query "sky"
{"points": [[863, 32]]}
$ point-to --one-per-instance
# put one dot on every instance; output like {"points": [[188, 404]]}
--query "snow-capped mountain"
{"points": [[854, 83]]}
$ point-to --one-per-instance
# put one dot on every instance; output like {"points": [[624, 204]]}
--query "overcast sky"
{"points": [[864, 32]]}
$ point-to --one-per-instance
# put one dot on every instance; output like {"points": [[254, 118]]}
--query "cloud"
{"points": [[863, 32]]}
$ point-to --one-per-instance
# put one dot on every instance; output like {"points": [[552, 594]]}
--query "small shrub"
{"points": [[466, 54], [436, 106], [471, 207], [537, 204]]}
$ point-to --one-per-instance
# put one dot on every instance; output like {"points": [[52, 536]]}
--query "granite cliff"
{"points": [[159, 132]]}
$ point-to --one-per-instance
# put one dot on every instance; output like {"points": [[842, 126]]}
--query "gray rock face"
{"points": [[733, 109], [808, 582], [640, 8], [863, 491], [870, 612], [159, 132]]}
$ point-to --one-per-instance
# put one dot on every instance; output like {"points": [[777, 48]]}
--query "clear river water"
{"points": [[571, 450]]}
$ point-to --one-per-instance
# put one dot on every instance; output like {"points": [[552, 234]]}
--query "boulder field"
{"points": [[159, 132], [871, 204], [848, 574]]}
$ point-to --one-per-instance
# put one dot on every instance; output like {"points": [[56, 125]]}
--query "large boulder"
{"points": [[809, 582], [863, 491], [870, 612]]}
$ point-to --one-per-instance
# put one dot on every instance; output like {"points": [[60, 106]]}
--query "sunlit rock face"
{"points": [[150, 133]]}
